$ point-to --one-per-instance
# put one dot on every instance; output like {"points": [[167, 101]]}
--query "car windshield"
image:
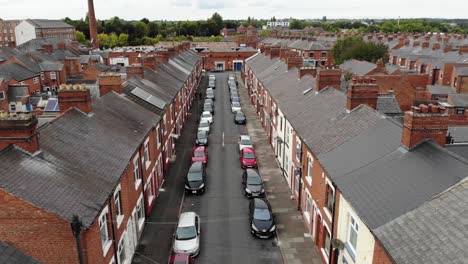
{"points": [[249, 155], [262, 214], [204, 124], [199, 154], [239, 114], [201, 135], [245, 142], [186, 233], [207, 105], [194, 176], [206, 115], [235, 104], [254, 180]]}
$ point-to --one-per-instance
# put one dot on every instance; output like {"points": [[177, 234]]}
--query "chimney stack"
{"points": [[77, 95], [307, 70], [425, 122], [274, 52], [19, 130], [110, 82], [363, 90], [150, 62], [425, 45], [92, 25], [328, 77], [294, 62], [135, 70], [435, 46]]}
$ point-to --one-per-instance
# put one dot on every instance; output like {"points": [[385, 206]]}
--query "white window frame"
{"points": [[53, 75], [310, 166], [140, 206], [322, 250], [36, 80], [354, 228], [107, 244], [136, 171], [147, 154], [120, 217], [121, 247], [158, 138], [308, 207], [325, 208], [298, 147], [42, 76]]}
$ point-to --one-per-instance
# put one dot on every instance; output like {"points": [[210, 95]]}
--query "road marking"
{"points": [[223, 139]]}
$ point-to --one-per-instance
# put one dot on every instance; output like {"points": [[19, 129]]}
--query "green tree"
{"points": [[113, 40], [123, 40], [140, 29], [296, 24], [103, 40], [80, 37], [356, 48], [153, 29]]}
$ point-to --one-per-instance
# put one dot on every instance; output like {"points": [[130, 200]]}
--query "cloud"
{"points": [[181, 3], [214, 4], [258, 4]]}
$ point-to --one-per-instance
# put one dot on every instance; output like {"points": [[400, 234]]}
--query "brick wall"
{"points": [[380, 255]]}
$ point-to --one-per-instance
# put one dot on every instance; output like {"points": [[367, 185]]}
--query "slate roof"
{"points": [[11, 255], [462, 70], [357, 67], [388, 104], [440, 89], [46, 23], [459, 149], [51, 66], [459, 99], [459, 133], [434, 233], [82, 158], [16, 71]]}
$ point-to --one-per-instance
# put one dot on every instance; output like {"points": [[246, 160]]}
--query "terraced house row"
{"points": [[79, 187], [372, 187]]}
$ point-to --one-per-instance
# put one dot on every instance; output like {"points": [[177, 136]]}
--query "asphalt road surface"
{"points": [[223, 209]]}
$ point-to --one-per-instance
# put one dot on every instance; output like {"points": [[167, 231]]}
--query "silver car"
{"points": [[187, 235]]}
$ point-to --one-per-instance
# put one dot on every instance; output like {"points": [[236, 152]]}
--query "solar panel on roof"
{"points": [[52, 105], [144, 95]]}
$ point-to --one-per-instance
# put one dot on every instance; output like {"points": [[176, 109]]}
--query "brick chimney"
{"points": [[425, 45], [19, 130], [150, 62], [267, 50], [274, 52], [363, 90], [135, 70], [435, 46], [294, 62], [49, 48], [307, 70], [328, 77], [92, 25], [161, 58], [77, 95], [425, 122], [110, 82]]}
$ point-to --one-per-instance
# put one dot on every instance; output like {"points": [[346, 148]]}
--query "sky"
{"points": [[231, 9]]}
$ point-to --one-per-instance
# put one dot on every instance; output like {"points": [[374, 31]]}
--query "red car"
{"points": [[181, 259], [248, 158], [200, 153]]}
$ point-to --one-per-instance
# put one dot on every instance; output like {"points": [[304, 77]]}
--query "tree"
{"points": [[153, 29], [103, 40], [123, 40], [140, 29], [324, 19], [296, 24], [145, 20], [217, 19], [113, 40], [356, 48], [80, 37]]}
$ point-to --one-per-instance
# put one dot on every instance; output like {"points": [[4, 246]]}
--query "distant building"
{"points": [[278, 24], [7, 33], [43, 28]]}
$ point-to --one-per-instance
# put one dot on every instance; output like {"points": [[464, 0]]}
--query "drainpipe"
{"points": [[114, 243], [332, 228], [76, 226]]}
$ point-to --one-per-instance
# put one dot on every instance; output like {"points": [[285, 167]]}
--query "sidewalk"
{"points": [[296, 248]]}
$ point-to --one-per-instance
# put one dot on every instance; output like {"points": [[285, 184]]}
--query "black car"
{"points": [[252, 183], [196, 178], [209, 108], [239, 118], [202, 138], [262, 222]]}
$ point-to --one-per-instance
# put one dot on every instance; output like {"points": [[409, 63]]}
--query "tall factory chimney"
{"points": [[92, 25]]}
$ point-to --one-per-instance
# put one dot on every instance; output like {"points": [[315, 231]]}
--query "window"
{"points": [[104, 231], [330, 197], [326, 244], [53, 76], [121, 250], [42, 76], [136, 172], [140, 213], [287, 135], [311, 54], [297, 183], [2, 95], [158, 138], [164, 125], [281, 123], [298, 150], [35, 80], [147, 153], [353, 233], [308, 208], [324, 54], [460, 110], [118, 206], [310, 163]]}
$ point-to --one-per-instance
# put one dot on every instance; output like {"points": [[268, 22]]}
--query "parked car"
{"points": [[239, 118], [187, 235], [196, 178], [248, 158], [209, 90], [204, 125], [211, 77], [235, 98], [181, 259], [208, 108], [210, 96], [200, 153], [202, 138], [235, 106], [206, 115], [252, 183], [262, 222], [245, 142], [212, 84], [209, 101], [233, 91]]}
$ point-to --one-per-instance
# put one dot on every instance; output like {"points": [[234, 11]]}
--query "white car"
{"points": [[206, 115], [187, 235], [212, 77], [245, 142], [204, 125], [235, 106], [209, 90]]}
